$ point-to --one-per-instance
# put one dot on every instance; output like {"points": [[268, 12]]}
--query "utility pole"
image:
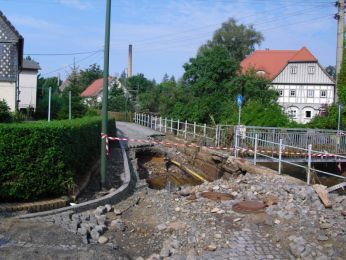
{"points": [[69, 105], [105, 94], [340, 17], [49, 102]]}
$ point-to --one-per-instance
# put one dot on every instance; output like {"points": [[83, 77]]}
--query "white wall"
{"points": [[28, 89], [8, 93], [302, 74]]}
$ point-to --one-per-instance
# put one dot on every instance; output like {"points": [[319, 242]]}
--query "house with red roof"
{"points": [[304, 87], [93, 93]]}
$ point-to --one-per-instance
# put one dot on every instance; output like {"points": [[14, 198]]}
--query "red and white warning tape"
{"points": [[241, 150]]}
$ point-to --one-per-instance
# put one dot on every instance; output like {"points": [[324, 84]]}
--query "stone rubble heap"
{"points": [[295, 223]]}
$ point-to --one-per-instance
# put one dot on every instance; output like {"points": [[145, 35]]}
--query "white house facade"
{"points": [[28, 85], [304, 87]]}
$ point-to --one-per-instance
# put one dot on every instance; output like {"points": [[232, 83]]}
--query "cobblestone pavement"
{"points": [[25, 239], [248, 244]]}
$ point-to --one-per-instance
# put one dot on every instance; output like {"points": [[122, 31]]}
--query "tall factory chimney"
{"points": [[129, 66]]}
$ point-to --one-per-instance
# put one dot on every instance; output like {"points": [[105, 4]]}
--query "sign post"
{"points": [[239, 102], [237, 132]]}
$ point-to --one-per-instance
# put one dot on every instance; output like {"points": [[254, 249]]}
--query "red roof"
{"points": [[94, 89], [272, 62]]}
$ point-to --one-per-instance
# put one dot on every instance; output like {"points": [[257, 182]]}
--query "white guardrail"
{"points": [[246, 139]]}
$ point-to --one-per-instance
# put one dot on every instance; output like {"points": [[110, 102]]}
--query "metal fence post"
{"points": [[280, 155], [185, 134], [194, 130], [135, 117], [236, 142], [148, 120], [166, 125], [255, 152], [171, 125], [160, 124], [216, 132], [155, 122], [309, 164], [178, 128]]}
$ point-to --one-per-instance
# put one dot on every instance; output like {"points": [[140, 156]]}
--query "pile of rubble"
{"points": [[190, 223]]}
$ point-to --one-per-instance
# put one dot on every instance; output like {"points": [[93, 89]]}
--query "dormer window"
{"points": [[293, 69], [260, 73], [311, 69]]}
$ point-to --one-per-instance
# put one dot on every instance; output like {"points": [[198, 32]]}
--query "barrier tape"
{"points": [[241, 150]]}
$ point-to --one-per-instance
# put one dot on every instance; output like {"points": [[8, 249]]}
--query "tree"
{"points": [[117, 101], [209, 71], [341, 86], [89, 75], [5, 115], [239, 40], [331, 71]]}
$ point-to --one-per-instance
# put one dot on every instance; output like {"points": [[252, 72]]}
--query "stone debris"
{"points": [[102, 240], [292, 223]]}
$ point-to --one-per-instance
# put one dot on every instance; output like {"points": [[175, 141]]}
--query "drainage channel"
{"points": [[163, 173]]}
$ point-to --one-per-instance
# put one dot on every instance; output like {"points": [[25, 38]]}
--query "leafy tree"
{"points": [[331, 71], [341, 86], [239, 40], [89, 75], [117, 101], [210, 71], [329, 120], [42, 106], [78, 108], [5, 115]]}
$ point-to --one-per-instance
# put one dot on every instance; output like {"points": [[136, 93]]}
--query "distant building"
{"points": [[28, 84], [304, 87], [18, 77], [93, 93]]}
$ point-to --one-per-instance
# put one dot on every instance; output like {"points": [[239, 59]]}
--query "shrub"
{"points": [[41, 159], [5, 115]]}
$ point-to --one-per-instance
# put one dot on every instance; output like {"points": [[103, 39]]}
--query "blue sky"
{"points": [[164, 33]]}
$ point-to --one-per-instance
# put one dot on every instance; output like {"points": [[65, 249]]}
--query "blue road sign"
{"points": [[239, 100]]}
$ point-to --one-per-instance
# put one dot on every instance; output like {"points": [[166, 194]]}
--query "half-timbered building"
{"points": [[304, 87]]}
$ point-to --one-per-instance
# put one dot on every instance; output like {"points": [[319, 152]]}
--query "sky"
{"points": [[165, 34]]}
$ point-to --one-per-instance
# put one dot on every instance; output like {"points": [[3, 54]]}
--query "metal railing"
{"points": [[282, 142], [224, 135], [278, 151]]}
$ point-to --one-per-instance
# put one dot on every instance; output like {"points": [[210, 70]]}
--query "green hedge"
{"points": [[41, 159]]}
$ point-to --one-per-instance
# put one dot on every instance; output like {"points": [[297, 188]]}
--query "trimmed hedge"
{"points": [[41, 159]]}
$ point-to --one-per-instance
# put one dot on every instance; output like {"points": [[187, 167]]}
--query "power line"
{"points": [[71, 64], [62, 54]]}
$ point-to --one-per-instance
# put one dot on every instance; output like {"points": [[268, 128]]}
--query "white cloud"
{"points": [[36, 23]]}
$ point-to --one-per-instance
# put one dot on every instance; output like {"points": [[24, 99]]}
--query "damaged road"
{"points": [[242, 212]]}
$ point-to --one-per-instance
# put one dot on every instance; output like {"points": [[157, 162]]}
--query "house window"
{"points": [[292, 93], [310, 93], [323, 93], [308, 114], [293, 69], [311, 69], [281, 92], [292, 113]]}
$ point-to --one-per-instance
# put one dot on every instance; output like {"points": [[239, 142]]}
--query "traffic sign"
{"points": [[239, 100]]}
